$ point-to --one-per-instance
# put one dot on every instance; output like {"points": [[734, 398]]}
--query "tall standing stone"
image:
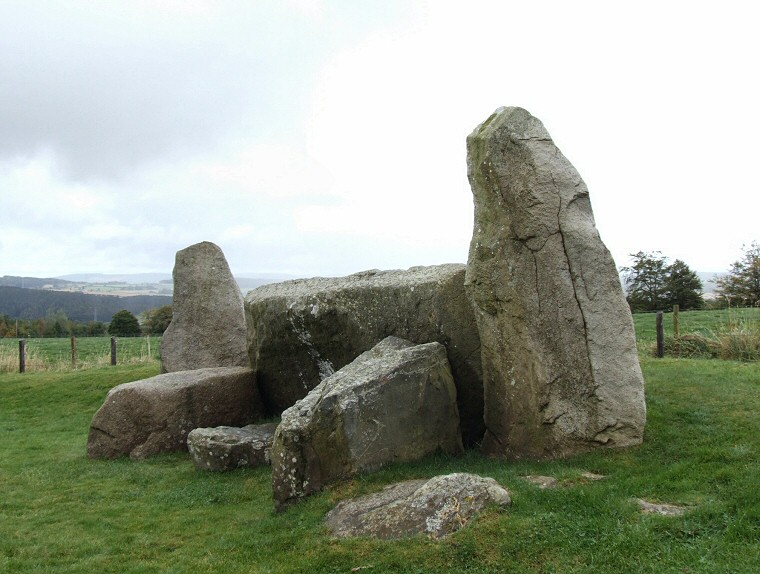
{"points": [[560, 368], [208, 326]]}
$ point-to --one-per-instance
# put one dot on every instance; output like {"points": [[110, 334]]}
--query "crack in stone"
{"points": [[572, 282]]}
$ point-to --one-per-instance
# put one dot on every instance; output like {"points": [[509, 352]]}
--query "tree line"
{"points": [[56, 324], [33, 304], [653, 284]]}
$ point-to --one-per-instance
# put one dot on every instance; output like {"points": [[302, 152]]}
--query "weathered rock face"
{"points": [[208, 321], [302, 331], [560, 368], [228, 448], [435, 507], [394, 403], [155, 415]]}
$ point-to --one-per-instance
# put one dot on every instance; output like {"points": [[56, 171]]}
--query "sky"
{"points": [[326, 137]]}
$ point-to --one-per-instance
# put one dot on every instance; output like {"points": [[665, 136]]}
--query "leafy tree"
{"points": [[683, 287], [645, 281], [157, 320], [124, 324], [95, 328], [742, 285]]}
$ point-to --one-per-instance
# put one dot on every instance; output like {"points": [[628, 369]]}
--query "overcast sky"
{"points": [[328, 137]]}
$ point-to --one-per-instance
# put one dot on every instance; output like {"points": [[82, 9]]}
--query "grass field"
{"points": [[711, 324], [60, 512], [55, 354]]}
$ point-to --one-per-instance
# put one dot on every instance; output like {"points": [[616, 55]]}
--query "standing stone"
{"points": [[394, 403], [208, 321], [560, 368], [302, 331]]}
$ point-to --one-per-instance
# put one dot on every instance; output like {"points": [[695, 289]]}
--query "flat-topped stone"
{"points": [[155, 415], [228, 448], [302, 331], [436, 507]]}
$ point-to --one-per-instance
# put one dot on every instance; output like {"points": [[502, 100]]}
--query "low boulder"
{"points": [[302, 331], [208, 326], [394, 403], [228, 448], [436, 507], [155, 415]]}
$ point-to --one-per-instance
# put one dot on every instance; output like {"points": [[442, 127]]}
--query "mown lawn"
{"points": [[60, 512]]}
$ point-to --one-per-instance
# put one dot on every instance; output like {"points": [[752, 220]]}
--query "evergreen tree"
{"points": [[124, 324], [645, 281], [157, 320], [683, 287]]}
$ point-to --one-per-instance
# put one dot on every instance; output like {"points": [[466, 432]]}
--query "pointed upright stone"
{"points": [[560, 368], [208, 326]]}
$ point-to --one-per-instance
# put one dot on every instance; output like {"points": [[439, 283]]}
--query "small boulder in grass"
{"points": [[436, 507], [228, 448], [661, 508]]}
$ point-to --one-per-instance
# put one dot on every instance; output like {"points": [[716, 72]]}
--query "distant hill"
{"points": [[130, 278], [34, 282], [97, 296], [22, 303]]}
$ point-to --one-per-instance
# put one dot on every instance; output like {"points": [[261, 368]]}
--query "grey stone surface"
{"points": [[302, 331], [560, 367], [435, 507], [155, 415], [542, 482], [394, 403], [208, 326], [228, 448], [662, 509]]}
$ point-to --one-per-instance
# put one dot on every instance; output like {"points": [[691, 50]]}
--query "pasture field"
{"points": [[727, 334], [61, 512], [46, 354]]}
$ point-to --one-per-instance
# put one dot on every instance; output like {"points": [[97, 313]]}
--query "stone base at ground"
{"points": [[435, 507], [302, 331], [394, 403], [155, 415], [228, 448]]}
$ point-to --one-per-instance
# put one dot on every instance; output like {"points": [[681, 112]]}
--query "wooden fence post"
{"points": [[74, 354], [660, 336], [113, 350], [22, 356], [676, 322]]}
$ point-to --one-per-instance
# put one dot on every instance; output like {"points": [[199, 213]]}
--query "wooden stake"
{"points": [[660, 336]]}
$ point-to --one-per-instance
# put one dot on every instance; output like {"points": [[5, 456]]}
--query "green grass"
{"points": [[55, 354], [60, 512]]}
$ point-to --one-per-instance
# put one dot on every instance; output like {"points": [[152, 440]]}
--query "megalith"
{"points": [[302, 331], [208, 326], [560, 368], [393, 403], [155, 415]]}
